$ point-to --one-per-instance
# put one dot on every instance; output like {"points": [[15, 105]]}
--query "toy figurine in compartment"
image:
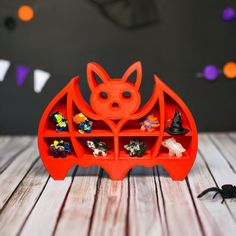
{"points": [[136, 148], [150, 123], [59, 149], [175, 148], [59, 120], [97, 147], [83, 123], [176, 127]]}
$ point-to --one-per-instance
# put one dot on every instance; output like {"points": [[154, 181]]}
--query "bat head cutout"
{"points": [[117, 97]]}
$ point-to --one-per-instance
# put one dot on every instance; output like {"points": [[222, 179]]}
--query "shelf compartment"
{"points": [[88, 153], [99, 127], [60, 106], [123, 154], [185, 141], [135, 125], [49, 140], [170, 107]]}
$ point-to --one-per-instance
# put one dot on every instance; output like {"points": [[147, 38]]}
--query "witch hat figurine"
{"points": [[176, 125]]}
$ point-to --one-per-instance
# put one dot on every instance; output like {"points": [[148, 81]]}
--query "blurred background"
{"points": [[189, 44]]}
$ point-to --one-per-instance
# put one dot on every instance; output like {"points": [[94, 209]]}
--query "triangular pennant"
{"points": [[21, 73], [4, 66], [40, 79]]}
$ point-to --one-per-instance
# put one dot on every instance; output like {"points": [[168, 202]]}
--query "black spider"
{"points": [[226, 191]]}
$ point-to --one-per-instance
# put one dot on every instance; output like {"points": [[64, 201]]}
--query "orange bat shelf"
{"points": [[116, 126]]}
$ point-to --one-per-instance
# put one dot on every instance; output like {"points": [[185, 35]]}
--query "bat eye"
{"points": [[126, 94], [103, 95]]}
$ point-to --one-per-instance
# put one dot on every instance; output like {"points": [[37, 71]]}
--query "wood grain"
{"points": [[213, 215], [11, 148], [23, 200], [78, 208], [48, 208], [219, 167], [179, 208], [110, 211], [144, 216], [16, 171], [87, 202]]}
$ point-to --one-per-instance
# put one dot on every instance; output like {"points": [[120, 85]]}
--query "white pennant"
{"points": [[40, 79], [4, 66]]}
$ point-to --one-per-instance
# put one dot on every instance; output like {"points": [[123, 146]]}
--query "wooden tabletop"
{"points": [[87, 202]]}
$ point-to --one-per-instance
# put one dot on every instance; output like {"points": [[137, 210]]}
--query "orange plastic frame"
{"points": [[116, 121]]}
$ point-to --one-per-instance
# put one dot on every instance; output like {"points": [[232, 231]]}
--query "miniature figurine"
{"points": [[150, 123], [83, 123], [176, 127], [98, 147], [174, 147], [59, 120], [59, 149], [136, 148]]}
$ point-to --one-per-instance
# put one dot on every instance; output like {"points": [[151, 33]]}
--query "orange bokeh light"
{"points": [[230, 70], [25, 13]]}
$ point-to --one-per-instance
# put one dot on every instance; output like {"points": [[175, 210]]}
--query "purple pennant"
{"points": [[21, 73]]}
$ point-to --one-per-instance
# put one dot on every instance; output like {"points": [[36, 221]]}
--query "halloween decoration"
{"points": [[98, 147], [129, 14], [229, 14], [136, 148], [10, 23], [83, 123], [115, 111], [175, 148], [59, 120], [211, 72], [226, 191], [150, 123], [176, 125], [229, 70], [59, 149]]}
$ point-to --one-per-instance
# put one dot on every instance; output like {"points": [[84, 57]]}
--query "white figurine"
{"points": [[174, 147]]}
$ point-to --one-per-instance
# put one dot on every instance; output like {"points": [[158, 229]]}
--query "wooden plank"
{"points": [[144, 216], [220, 169], [78, 208], [227, 148], [13, 175], [3, 141], [23, 200], [110, 212], [180, 213], [48, 207], [12, 149], [213, 215]]}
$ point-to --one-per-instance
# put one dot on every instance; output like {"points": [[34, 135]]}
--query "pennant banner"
{"points": [[40, 79], [21, 73], [4, 66]]}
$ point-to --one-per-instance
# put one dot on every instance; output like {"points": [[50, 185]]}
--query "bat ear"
{"points": [[93, 70], [136, 67]]}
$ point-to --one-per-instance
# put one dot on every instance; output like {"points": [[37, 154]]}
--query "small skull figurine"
{"points": [[174, 147]]}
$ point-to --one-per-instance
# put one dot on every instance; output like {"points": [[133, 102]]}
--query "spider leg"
{"points": [[215, 195], [208, 190]]}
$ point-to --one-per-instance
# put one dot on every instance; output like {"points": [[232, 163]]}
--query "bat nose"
{"points": [[115, 105]]}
